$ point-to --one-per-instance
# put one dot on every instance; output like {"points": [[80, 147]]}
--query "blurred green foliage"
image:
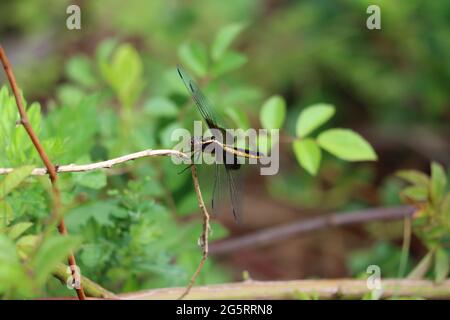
{"points": [[431, 196], [308, 67]]}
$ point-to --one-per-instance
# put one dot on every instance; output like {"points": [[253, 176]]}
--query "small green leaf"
{"points": [[6, 214], [100, 211], [308, 154], [27, 244], [91, 255], [239, 117], [415, 193], [224, 37], [438, 182], [161, 107], [53, 250], [12, 274], [104, 51], [69, 95], [13, 179], [195, 56], [441, 265], [346, 144], [124, 74], [312, 117], [165, 134], [18, 229], [228, 62], [415, 177], [273, 113], [79, 70], [95, 179]]}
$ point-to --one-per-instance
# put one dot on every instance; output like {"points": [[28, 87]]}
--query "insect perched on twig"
{"points": [[220, 144]]}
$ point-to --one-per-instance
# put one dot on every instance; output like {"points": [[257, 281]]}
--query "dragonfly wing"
{"points": [[218, 192], [234, 186], [227, 193], [203, 105]]}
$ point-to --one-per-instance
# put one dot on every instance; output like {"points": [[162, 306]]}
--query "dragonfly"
{"points": [[226, 154]]}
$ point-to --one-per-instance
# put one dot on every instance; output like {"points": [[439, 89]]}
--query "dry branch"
{"points": [[103, 164], [290, 229], [297, 289], [204, 235]]}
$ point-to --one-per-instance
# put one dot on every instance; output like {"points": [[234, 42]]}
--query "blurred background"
{"points": [[111, 88]]}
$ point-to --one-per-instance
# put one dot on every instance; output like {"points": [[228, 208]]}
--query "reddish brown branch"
{"points": [[277, 233], [43, 155]]}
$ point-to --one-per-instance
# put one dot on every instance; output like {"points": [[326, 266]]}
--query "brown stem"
{"points": [[277, 233], [43, 155]]}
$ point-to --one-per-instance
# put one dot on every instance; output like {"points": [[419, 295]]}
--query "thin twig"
{"points": [[204, 235], [407, 229], [43, 155], [301, 289], [104, 164], [284, 231]]}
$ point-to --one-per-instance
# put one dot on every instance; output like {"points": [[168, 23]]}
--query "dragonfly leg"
{"points": [[188, 167]]}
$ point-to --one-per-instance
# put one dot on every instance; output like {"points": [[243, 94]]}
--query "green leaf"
{"points": [[438, 182], [79, 70], [415, 177], [6, 214], [308, 154], [53, 250], [223, 39], [91, 255], [441, 265], [104, 51], [346, 144], [12, 275], [18, 229], [101, 212], [312, 117], [228, 62], [95, 179], [13, 179], [273, 113], [69, 95], [124, 74], [165, 134], [239, 117], [195, 56], [161, 107], [26, 245], [415, 193]]}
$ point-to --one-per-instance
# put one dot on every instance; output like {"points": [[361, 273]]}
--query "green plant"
{"points": [[429, 194]]}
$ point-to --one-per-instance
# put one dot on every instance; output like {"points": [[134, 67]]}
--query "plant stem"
{"points": [[43, 155]]}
